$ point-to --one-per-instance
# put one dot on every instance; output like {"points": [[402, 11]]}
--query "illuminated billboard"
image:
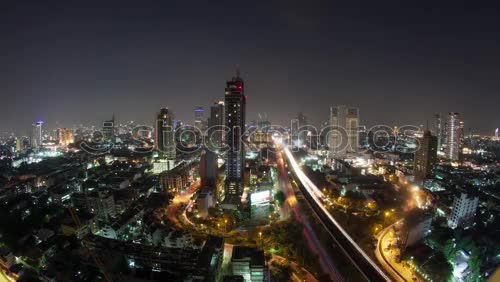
{"points": [[261, 197]]}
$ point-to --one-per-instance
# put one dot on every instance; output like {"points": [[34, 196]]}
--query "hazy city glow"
{"points": [[249, 141]]}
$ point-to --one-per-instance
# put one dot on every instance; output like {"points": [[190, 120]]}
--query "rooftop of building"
{"points": [[416, 216], [255, 255], [211, 246], [204, 192], [233, 278]]}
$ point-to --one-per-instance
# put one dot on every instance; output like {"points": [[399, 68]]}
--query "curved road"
{"points": [[180, 200], [5, 274], [396, 270]]}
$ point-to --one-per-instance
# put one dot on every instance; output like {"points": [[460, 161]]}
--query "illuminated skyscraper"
{"points": [[344, 137], [298, 130], [234, 112], [453, 137], [36, 134], [164, 135], [199, 114], [302, 134], [425, 156], [108, 130], [438, 130], [462, 136], [164, 143], [215, 121], [294, 132]]}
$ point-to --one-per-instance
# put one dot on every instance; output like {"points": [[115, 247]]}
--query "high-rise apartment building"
{"points": [[164, 143], [453, 137], [425, 156], [463, 210], [199, 114], [298, 130], [36, 134], [344, 137], [208, 169], [108, 130], [215, 133], [438, 130], [164, 134], [234, 117]]}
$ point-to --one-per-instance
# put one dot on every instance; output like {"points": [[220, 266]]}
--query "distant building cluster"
{"points": [[161, 202]]}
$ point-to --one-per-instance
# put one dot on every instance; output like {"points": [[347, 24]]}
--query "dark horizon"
{"points": [[400, 63]]}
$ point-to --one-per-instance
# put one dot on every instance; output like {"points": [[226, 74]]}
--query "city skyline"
{"points": [[249, 141], [351, 58]]}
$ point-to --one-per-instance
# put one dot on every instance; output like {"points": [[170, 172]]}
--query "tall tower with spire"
{"points": [[234, 117]]}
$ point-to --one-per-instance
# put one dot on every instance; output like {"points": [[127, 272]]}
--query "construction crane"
{"points": [[96, 259]]}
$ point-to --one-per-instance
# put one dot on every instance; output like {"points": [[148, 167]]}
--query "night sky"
{"points": [[80, 61]]}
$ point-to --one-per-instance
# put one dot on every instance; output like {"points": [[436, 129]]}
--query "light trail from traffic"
{"points": [[313, 242], [316, 194], [381, 256], [180, 200]]}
